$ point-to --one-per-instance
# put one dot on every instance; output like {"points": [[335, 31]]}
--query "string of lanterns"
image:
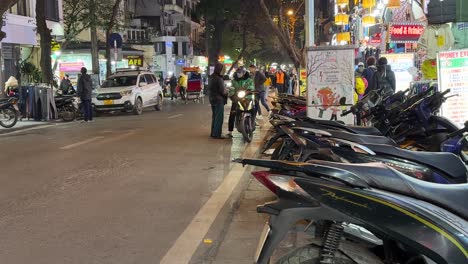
{"points": [[368, 19]]}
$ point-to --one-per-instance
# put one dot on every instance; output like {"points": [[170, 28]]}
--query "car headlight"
{"points": [[124, 93], [241, 94]]}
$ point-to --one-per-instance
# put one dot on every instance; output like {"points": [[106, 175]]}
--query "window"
{"points": [[52, 12], [20, 8], [149, 79]]}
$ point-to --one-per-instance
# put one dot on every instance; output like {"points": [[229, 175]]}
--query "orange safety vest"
{"points": [[280, 77]]}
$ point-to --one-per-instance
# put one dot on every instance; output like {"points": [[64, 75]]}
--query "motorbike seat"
{"points": [[326, 124], [362, 139], [449, 163], [371, 131], [452, 197]]}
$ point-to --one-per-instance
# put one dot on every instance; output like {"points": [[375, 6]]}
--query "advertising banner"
{"points": [[330, 82], [401, 63], [71, 66], [453, 75], [303, 82]]}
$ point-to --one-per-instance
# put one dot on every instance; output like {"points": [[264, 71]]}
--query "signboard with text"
{"points": [[406, 32], [135, 60], [453, 75], [71, 66]]}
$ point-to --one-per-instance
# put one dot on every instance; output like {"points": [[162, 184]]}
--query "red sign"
{"points": [[406, 33]]}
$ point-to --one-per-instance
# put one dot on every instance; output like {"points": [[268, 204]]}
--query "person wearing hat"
{"points": [[11, 86], [384, 78], [85, 89]]}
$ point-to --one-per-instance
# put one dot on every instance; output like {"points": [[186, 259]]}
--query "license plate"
{"points": [[108, 102], [261, 243]]}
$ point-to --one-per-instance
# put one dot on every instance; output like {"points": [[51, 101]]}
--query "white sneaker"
{"points": [[259, 117]]}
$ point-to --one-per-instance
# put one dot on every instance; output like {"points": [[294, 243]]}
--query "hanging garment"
{"points": [[429, 69], [460, 34], [462, 11], [437, 38], [440, 12]]}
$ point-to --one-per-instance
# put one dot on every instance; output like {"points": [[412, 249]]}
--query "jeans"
{"points": [[232, 116], [173, 92], [262, 99], [280, 88], [87, 110], [217, 120]]}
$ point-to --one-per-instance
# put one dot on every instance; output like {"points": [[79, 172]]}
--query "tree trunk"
{"points": [[94, 39], [46, 39], [282, 36], [244, 47], [216, 41], [110, 27]]}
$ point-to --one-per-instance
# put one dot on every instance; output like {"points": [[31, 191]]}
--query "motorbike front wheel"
{"points": [[245, 127], [8, 117], [68, 113]]}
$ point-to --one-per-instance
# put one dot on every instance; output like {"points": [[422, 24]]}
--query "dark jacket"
{"points": [[85, 87], [440, 12], [384, 79], [216, 88], [369, 75], [259, 82], [173, 81]]}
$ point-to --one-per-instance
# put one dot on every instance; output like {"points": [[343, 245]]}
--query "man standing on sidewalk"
{"points": [[85, 89], [280, 81], [259, 83]]}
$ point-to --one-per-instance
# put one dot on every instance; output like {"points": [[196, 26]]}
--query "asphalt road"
{"points": [[118, 190]]}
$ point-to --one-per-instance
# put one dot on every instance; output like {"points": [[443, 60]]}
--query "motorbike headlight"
{"points": [[124, 93], [241, 94]]}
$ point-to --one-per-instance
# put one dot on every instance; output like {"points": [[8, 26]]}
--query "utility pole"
{"points": [[94, 39], [310, 42]]}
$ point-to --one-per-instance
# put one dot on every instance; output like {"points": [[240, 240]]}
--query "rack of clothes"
{"points": [[37, 102], [418, 87]]}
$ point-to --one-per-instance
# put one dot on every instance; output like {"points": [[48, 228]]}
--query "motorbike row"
{"points": [[395, 192], [67, 109]]}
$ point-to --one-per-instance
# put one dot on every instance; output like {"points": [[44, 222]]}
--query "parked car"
{"points": [[129, 90]]}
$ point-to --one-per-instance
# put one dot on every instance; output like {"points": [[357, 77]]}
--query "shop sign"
{"points": [[453, 75], [55, 46], [135, 60], [71, 66], [180, 62], [406, 32]]}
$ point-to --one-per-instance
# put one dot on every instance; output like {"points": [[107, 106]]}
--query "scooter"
{"points": [[414, 221], [9, 112], [245, 114], [66, 108]]}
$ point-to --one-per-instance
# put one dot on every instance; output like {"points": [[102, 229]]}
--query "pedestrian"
{"points": [[218, 98], [243, 81], [384, 78], [183, 81], [280, 81], [369, 72], [173, 86], [85, 88], [65, 85], [259, 84]]}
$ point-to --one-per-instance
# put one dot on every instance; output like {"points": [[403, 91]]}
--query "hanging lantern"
{"points": [[368, 3], [368, 20], [394, 4], [341, 19], [342, 2], [343, 36]]}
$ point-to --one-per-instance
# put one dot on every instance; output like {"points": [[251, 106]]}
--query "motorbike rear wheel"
{"points": [[245, 127], [8, 117]]}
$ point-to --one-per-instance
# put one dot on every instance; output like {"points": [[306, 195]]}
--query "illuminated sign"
{"points": [[406, 33], [135, 60]]}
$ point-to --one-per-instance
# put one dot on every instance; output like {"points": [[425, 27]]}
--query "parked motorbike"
{"points": [[66, 108], [289, 106], [9, 112], [402, 219], [245, 114]]}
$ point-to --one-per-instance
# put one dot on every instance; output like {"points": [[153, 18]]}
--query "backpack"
{"points": [[383, 83]]}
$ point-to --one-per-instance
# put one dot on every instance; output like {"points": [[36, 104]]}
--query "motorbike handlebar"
{"points": [[345, 113], [459, 132]]}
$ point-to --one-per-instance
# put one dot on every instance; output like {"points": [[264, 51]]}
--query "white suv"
{"points": [[129, 90]]}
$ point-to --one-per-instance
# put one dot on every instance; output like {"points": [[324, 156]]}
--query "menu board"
{"points": [[401, 63], [453, 75], [330, 83]]}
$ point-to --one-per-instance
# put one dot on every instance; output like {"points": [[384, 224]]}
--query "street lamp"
{"points": [[290, 12]]}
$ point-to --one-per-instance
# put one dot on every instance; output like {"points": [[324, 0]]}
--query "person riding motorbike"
{"points": [[241, 80], [66, 87]]}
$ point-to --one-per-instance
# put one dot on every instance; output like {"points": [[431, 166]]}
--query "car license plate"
{"points": [[108, 102], [261, 243]]}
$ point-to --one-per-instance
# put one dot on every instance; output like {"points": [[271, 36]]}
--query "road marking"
{"points": [[81, 143], [187, 243], [119, 137], [175, 116], [28, 129]]}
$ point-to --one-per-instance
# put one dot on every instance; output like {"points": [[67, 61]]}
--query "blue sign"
{"points": [[169, 44], [115, 39], [180, 62]]}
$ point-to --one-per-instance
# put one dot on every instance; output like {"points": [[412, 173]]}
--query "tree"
{"points": [[282, 28], [4, 6], [45, 42]]}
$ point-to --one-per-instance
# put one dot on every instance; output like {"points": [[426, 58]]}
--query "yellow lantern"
{"points": [[394, 4], [343, 36], [368, 3], [342, 2], [341, 19], [368, 20]]}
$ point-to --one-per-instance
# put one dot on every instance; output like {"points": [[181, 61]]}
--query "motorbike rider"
{"points": [[241, 80], [66, 86]]}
